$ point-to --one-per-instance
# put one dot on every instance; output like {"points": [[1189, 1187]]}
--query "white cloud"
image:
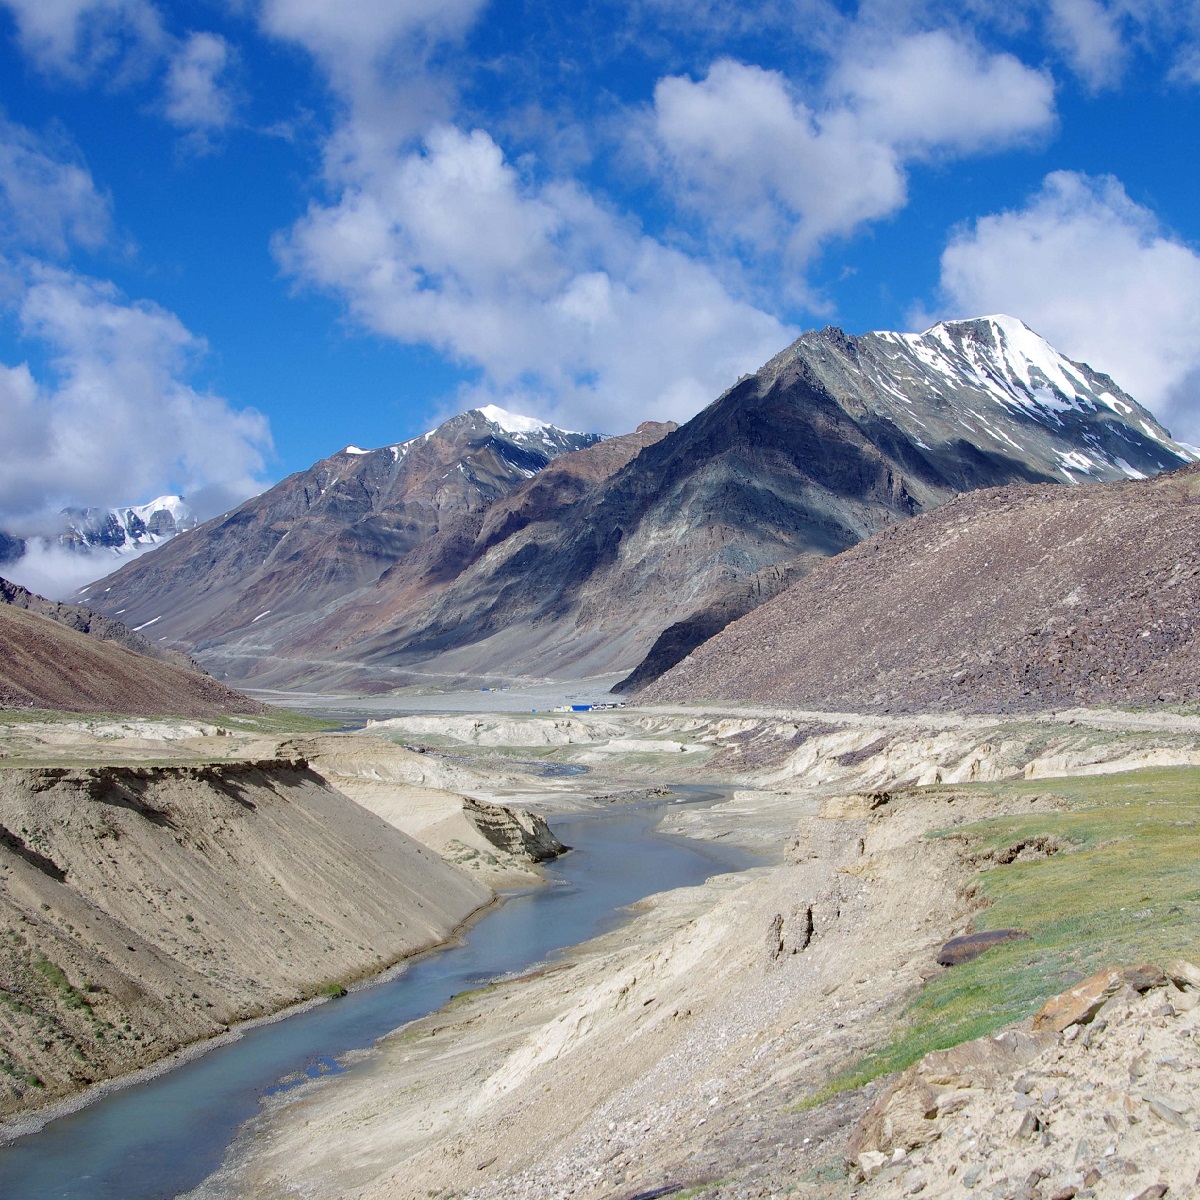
{"points": [[51, 570], [118, 423], [770, 171], [1089, 35], [1095, 274], [933, 92], [346, 36], [763, 167], [46, 203], [120, 41], [377, 56], [78, 38], [559, 303], [195, 97]]}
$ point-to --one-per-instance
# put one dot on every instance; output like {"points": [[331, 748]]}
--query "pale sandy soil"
{"points": [[497, 843], [162, 881], [147, 908], [678, 1050]]}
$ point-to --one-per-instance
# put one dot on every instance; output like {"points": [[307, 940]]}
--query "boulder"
{"points": [[972, 945], [1080, 1004]]}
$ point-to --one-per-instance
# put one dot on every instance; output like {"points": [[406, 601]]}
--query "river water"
{"points": [[163, 1137]]}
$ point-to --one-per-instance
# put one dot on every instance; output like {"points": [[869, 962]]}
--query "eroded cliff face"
{"points": [[421, 794], [145, 908]]}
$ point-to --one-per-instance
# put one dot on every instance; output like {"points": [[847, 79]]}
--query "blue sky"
{"points": [[236, 236]]}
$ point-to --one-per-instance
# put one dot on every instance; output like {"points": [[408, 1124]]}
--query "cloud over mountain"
{"points": [[1125, 293]]}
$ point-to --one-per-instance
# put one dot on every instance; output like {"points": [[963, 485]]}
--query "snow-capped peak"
{"points": [[179, 509], [1007, 359], [1024, 354], [511, 422]]}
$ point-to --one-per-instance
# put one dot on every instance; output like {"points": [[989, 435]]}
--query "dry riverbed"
{"points": [[729, 1039]]}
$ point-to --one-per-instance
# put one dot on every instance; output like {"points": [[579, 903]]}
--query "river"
{"points": [[164, 1137]]}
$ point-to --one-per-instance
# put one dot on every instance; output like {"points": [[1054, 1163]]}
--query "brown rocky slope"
{"points": [[95, 624], [1010, 599], [46, 664], [369, 571], [286, 558]]}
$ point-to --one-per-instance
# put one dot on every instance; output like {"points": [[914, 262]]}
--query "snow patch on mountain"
{"points": [[512, 422]]}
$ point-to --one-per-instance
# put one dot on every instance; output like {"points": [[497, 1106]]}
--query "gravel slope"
{"points": [[1019, 598], [45, 664]]}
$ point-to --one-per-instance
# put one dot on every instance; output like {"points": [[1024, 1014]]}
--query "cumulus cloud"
{"points": [[933, 92], [78, 38], [552, 296], [196, 98], [118, 422], [1097, 275], [772, 172], [763, 167], [120, 41], [46, 202], [378, 56], [353, 37], [1089, 35]]}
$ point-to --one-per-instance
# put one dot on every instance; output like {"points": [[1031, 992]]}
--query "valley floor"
{"points": [[730, 1039]]}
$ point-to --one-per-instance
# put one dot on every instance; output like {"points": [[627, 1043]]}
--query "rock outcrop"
{"points": [[1104, 1105], [498, 843]]}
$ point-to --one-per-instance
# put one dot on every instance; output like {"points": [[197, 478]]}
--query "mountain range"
{"points": [[498, 547], [110, 533]]}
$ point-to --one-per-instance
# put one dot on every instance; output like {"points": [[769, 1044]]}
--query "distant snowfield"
{"points": [[58, 572]]}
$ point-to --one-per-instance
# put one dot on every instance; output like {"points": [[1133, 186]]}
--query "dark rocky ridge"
{"points": [[11, 548], [832, 440], [315, 538], [1016, 599]]}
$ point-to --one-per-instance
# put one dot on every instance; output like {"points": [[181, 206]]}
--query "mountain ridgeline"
{"points": [[497, 548]]}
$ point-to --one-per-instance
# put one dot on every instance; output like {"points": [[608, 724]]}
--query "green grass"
{"points": [[1125, 889], [54, 975], [277, 720]]}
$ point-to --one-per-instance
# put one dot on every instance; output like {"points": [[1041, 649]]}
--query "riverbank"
{"points": [[721, 1044], [165, 1137], [158, 890]]}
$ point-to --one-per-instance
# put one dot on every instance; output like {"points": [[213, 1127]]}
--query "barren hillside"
{"points": [[46, 664], [1011, 599], [147, 908]]}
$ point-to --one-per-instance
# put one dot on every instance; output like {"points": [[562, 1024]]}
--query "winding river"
{"points": [[165, 1136]]}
